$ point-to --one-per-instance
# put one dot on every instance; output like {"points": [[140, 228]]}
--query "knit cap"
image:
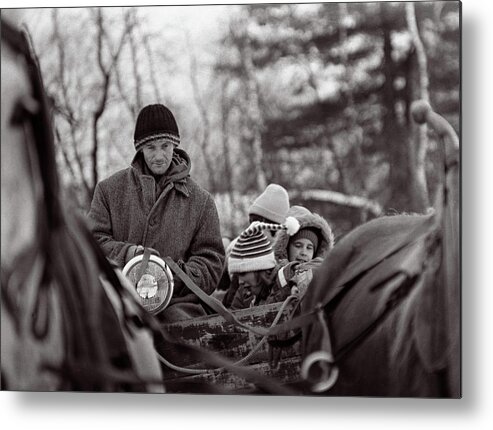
{"points": [[155, 122], [307, 233], [253, 251], [272, 204]]}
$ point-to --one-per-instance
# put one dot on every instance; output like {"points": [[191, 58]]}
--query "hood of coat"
{"points": [[306, 219], [179, 168]]}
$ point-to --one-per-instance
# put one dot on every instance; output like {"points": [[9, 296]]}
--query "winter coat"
{"points": [[296, 274], [244, 299], [180, 221]]}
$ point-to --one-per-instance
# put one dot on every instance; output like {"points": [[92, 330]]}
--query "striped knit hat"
{"points": [[253, 251], [155, 122]]}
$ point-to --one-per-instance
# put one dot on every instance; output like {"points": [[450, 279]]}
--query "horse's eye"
{"points": [[24, 109]]}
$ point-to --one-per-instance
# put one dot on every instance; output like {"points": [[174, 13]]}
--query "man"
{"points": [[155, 204]]}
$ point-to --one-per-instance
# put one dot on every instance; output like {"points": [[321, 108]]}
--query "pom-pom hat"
{"points": [[253, 251], [155, 122]]}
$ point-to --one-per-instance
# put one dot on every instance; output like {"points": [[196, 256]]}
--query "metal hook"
{"points": [[331, 369]]}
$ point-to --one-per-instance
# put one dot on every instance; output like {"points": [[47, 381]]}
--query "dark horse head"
{"points": [[68, 320], [388, 297]]}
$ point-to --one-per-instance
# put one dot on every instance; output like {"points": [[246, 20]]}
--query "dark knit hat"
{"points": [[155, 122], [253, 251], [307, 233]]}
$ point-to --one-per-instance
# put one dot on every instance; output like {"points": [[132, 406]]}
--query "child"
{"points": [[301, 253], [269, 207], [252, 260]]}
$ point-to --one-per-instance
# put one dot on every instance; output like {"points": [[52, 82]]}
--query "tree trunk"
{"points": [[394, 137], [228, 170], [106, 74], [253, 110], [205, 140], [131, 20], [353, 130], [418, 80], [152, 68], [68, 112]]}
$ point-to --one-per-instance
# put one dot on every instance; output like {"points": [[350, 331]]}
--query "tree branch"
{"points": [[152, 70], [205, 140], [130, 21], [339, 199], [106, 79], [66, 109]]}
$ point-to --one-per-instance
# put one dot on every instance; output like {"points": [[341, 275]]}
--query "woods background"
{"points": [[314, 97]]}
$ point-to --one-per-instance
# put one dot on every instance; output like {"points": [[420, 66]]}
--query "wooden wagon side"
{"points": [[213, 333]]}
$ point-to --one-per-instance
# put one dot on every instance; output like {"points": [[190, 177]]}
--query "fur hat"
{"points": [[272, 204], [155, 122], [307, 219], [253, 251], [307, 233]]}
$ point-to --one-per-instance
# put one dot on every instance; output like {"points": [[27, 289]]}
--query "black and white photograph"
{"points": [[233, 201]]}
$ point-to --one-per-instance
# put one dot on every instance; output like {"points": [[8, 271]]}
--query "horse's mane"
{"points": [[386, 283]]}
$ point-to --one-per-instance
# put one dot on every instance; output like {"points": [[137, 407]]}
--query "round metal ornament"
{"points": [[155, 286]]}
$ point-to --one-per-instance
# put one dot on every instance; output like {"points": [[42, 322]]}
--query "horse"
{"points": [[69, 320], [387, 299]]}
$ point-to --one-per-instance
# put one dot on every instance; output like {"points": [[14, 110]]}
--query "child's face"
{"points": [[250, 283], [301, 250]]}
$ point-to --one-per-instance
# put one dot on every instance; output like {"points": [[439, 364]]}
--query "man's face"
{"points": [[157, 155]]}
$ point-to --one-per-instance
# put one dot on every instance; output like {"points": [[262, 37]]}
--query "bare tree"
{"points": [[131, 21], [152, 69], [106, 78], [131, 98], [204, 141], [138, 37], [64, 106], [254, 122], [226, 143], [393, 131], [354, 131]]}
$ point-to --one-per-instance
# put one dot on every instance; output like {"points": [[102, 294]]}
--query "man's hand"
{"points": [[135, 250], [141, 249]]}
